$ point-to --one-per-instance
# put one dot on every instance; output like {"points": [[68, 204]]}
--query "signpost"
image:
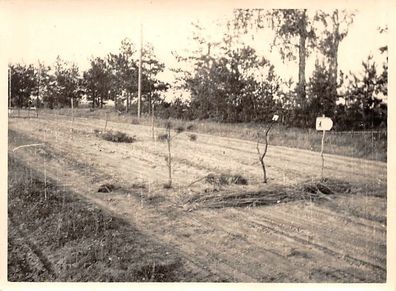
{"points": [[323, 123]]}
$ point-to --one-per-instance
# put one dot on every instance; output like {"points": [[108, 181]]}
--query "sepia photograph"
{"points": [[221, 142]]}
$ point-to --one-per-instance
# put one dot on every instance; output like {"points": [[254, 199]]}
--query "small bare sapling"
{"points": [[168, 137], [261, 155]]}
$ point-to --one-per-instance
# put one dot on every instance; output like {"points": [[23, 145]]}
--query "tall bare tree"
{"points": [[336, 25], [294, 35]]}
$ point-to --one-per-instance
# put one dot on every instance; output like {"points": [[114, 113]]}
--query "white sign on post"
{"points": [[275, 117], [323, 123]]}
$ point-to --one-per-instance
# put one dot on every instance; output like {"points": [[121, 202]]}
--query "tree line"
{"points": [[227, 80], [114, 77]]}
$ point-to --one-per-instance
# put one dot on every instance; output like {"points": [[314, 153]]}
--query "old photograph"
{"points": [[160, 141]]}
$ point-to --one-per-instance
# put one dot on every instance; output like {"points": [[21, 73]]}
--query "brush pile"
{"points": [[309, 190]]}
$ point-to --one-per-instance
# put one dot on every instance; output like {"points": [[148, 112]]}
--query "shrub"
{"points": [[117, 136], [192, 137], [135, 121], [224, 179], [162, 137], [179, 129]]}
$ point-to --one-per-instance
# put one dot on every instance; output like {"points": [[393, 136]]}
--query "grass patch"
{"points": [[64, 238]]}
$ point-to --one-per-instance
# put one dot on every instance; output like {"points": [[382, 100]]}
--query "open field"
{"points": [[198, 231], [370, 145]]}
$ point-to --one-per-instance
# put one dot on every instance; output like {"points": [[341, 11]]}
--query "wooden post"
{"points": [[72, 108], [38, 90], [106, 122], [127, 103], [321, 152], [169, 157], [152, 121], [37, 103], [45, 168]]}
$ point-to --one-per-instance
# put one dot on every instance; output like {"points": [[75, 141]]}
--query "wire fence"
{"points": [[15, 112], [374, 134]]}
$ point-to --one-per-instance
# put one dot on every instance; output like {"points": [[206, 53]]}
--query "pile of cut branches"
{"points": [[309, 190]]}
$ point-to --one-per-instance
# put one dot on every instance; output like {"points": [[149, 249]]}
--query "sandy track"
{"points": [[218, 154], [296, 242]]}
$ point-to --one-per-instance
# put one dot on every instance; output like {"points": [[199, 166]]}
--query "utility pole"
{"points": [[9, 87], [140, 70], [38, 88]]}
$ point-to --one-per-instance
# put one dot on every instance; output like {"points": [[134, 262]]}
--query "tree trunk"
{"points": [[150, 101], [334, 56], [169, 158], [264, 171], [301, 59], [127, 102]]}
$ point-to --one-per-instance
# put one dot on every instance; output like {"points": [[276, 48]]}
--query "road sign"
{"points": [[323, 123]]}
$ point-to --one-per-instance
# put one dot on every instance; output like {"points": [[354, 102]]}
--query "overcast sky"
{"points": [[78, 30]]}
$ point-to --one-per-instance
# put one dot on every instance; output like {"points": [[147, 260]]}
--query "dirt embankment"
{"points": [[54, 235]]}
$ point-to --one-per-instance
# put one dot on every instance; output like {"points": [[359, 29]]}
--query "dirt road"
{"points": [[340, 240]]}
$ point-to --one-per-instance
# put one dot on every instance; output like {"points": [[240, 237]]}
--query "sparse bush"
{"points": [[224, 179], [135, 121], [117, 136], [192, 137], [162, 137], [179, 129], [167, 185], [190, 127]]}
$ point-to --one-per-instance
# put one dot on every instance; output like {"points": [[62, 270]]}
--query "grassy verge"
{"points": [[56, 236], [372, 146]]}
